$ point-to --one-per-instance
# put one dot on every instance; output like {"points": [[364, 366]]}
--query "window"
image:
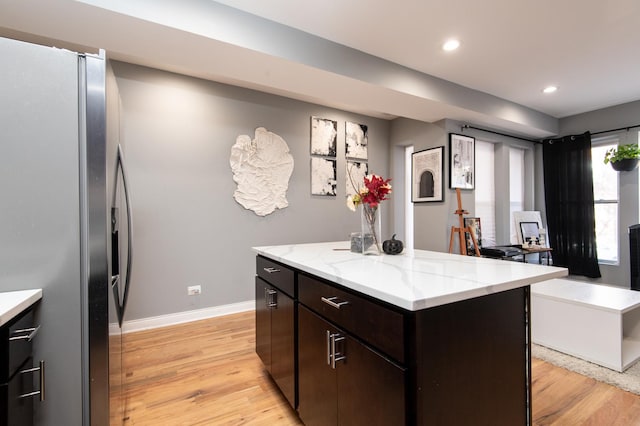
{"points": [[605, 193], [485, 192], [516, 189]]}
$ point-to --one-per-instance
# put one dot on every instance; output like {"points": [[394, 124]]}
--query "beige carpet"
{"points": [[629, 380]]}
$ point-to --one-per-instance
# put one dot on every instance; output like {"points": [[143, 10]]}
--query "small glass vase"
{"points": [[371, 230]]}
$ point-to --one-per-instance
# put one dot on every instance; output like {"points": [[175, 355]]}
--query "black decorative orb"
{"points": [[625, 165], [393, 246]]}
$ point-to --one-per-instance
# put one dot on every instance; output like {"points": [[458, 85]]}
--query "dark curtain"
{"points": [[568, 187]]}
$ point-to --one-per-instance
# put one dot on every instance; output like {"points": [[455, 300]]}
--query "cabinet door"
{"points": [[317, 385], [364, 388], [263, 323], [283, 344], [19, 410], [371, 389]]}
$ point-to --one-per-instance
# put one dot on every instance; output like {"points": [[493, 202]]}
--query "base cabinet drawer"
{"points": [[279, 275], [343, 382], [21, 335], [378, 325]]}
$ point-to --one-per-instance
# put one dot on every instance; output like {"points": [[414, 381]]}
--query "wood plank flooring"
{"points": [[207, 373]]}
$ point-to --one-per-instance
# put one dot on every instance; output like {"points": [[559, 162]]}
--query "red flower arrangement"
{"points": [[374, 191]]}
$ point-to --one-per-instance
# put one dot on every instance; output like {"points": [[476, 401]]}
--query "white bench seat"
{"points": [[595, 322]]}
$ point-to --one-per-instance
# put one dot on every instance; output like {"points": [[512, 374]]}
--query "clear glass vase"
{"points": [[371, 230]]}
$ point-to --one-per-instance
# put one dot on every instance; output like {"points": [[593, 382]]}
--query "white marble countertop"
{"points": [[413, 280], [14, 302]]}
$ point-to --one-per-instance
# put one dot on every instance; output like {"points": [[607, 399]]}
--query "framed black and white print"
{"points": [[427, 180], [356, 141], [462, 160], [355, 172], [323, 176], [324, 135]]}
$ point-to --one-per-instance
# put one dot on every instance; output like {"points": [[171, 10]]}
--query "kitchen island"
{"points": [[423, 337]]}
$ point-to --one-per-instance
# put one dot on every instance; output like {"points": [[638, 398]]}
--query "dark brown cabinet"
{"points": [[17, 371], [275, 326], [342, 381]]}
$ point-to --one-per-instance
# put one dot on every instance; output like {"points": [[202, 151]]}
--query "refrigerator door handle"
{"points": [[129, 228], [115, 260], [115, 288]]}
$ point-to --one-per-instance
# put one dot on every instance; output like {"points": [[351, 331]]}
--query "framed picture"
{"points": [[356, 141], [355, 172], [474, 224], [525, 216], [427, 182], [324, 134], [530, 231], [462, 156], [323, 176]]}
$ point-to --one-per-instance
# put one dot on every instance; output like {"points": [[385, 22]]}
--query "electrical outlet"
{"points": [[194, 290]]}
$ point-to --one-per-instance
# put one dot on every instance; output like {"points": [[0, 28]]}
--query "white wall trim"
{"points": [[182, 317]]}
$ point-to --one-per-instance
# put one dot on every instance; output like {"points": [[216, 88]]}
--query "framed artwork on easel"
{"points": [[462, 161], [530, 232], [473, 223]]}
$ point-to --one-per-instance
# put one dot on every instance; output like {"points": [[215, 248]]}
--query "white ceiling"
{"points": [[510, 48], [313, 51]]}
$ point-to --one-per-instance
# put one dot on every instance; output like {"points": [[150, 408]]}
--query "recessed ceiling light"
{"points": [[450, 45], [549, 89]]}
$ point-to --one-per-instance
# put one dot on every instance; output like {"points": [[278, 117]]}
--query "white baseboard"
{"points": [[182, 317]]}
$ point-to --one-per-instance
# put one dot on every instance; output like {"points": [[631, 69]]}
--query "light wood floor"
{"points": [[207, 373]]}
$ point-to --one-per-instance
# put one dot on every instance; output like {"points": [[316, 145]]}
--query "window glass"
{"points": [[605, 193], [485, 193], [516, 188]]}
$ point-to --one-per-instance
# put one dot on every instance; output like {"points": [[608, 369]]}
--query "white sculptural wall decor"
{"points": [[261, 170]]}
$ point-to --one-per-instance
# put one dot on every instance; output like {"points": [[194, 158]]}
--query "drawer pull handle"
{"points": [[271, 270], [331, 301], [38, 392], [26, 334]]}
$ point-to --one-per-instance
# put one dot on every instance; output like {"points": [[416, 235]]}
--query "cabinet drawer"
{"points": [[376, 324], [19, 345], [276, 274]]}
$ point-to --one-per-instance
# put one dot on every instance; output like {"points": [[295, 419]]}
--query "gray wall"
{"points": [[433, 221], [188, 229], [430, 219]]}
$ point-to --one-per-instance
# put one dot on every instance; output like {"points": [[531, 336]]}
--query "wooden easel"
{"points": [[461, 230]]}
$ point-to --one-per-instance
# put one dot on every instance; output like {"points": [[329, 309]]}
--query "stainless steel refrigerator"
{"points": [[65, 222]]}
